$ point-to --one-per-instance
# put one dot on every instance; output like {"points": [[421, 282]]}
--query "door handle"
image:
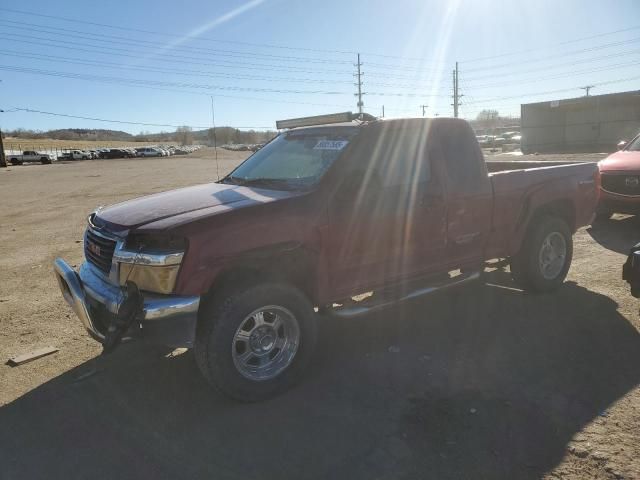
{"points": [[467, 238]]}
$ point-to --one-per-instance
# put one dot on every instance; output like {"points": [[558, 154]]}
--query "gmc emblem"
{"points": [[632, 182], [93, 248]]}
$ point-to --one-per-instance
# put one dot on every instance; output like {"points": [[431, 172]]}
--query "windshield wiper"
{"points": [[269, 182]]}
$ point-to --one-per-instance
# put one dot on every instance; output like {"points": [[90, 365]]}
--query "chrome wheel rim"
{"points": [[265, 343], [552, 256]]}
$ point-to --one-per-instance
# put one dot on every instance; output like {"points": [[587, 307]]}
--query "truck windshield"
{"points": [[292, 160], [634, 146]]}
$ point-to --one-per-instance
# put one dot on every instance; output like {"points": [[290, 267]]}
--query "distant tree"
{"points": [[183, 135], [488, 115]]}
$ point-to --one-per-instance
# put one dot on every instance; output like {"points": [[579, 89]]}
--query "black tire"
{"points": [[15, 161], [602, 216], [525, 266], [45, 161], [220, 320]]}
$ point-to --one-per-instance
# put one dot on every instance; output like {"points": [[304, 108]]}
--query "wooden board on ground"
{"points": [[28, 357]]}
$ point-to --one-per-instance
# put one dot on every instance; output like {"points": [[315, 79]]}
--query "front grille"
{"points": [[98, 250], [622, 184]]}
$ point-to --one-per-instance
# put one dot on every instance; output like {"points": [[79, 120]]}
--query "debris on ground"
{"points": [[29, 357]]}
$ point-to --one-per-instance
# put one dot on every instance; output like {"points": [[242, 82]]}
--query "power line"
{"points": [[235, 97], [136, 42], [124, 122], [209, 39], [161, 83], [610, 82], [104, 64], [520, 52], [559, 55], [177, 60], [221, 63], [559, 65], [562, 75]]}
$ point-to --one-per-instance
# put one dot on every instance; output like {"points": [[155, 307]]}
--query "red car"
{"points": [[242, 270], [620, 181]]}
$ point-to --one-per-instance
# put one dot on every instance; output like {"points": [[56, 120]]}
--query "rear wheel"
{"points": [[544, 259], [45, 161], [254, 342], [15, 161]]}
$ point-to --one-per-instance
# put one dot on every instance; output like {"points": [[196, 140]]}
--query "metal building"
{"points": [[586, 124]]}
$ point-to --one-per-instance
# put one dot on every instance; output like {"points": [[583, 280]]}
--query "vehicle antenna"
{"points": [[215, 143]]}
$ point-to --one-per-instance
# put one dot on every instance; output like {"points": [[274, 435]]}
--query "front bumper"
{"points": [[618, 203], [167, 319]]}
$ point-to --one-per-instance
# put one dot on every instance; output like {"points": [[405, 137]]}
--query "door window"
{"points": [[462, 158]]}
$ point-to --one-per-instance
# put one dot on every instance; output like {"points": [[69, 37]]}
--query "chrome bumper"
{"points": [[170, 319]]}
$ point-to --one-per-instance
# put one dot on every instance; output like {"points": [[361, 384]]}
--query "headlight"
{"points": [[152, 262], [152, 279]]}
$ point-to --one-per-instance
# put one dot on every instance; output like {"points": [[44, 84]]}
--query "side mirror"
{"points": [[621, 144]]}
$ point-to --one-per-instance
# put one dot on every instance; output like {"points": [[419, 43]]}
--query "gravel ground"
{"points": [[486, 382]]}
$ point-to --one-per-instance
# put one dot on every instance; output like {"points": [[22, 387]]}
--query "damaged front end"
{"points": [[121, 292]]}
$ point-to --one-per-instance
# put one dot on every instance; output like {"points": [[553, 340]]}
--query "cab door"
{"points": [[388, 223], [469, 195]]}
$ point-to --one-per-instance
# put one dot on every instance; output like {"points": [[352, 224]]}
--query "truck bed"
{"points": [[519, 187]]}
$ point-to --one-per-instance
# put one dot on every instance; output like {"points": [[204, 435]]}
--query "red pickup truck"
{"points": [[620, 181], [243, 269]]}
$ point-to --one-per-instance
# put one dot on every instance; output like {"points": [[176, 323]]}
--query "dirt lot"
{"points": [[483, 383]]}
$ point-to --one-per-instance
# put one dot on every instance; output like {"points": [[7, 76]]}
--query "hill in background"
{"points": [[183, 135]]}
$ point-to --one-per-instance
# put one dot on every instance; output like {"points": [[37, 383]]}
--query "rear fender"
{"points": [[552, 199]]}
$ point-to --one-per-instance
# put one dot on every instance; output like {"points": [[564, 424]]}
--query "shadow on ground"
{"points": [[486, 382], [619, 234]]}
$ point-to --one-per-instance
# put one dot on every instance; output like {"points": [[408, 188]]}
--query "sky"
{"points": [[161, 63]]}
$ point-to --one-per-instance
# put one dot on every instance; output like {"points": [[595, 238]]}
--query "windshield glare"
{"points": [[294, 159]]}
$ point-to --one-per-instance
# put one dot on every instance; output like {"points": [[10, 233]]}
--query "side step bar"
{"points": [[357, 310]]}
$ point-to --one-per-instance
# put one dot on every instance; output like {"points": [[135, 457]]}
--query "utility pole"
{"points": [[382, 111], [587, 88], [359, 84], [456, 95], [3, 160], [424, 107]]}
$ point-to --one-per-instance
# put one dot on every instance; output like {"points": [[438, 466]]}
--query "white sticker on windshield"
{"points": [[331, 144]]}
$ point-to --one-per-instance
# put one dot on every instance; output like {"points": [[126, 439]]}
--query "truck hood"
{"points": [[176, 207], [622, 161]]}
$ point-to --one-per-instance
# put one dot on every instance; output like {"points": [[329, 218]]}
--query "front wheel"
{"points": [[255, 342], [545, 256]]}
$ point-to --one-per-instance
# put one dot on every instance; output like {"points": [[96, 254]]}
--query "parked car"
{"points": [[116, 153], [31, 156], [419, 212], [631, 271], [149, 152], [620, 181]]}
